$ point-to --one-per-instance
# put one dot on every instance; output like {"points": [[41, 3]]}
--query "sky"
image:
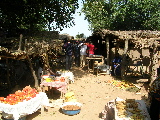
{"points": [[81, 25]]}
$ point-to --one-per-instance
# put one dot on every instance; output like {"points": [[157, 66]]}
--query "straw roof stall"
{"points": [[28, 47], [142, 39]]}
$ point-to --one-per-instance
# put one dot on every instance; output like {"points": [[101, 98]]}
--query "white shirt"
{"points": [[83, 50]]}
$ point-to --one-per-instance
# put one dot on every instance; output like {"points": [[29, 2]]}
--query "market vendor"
{"points": [[116, 64], [154, 99], [50, 72]]}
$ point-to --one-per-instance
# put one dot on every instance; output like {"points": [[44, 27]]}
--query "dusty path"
{"points": [[93, 93]]}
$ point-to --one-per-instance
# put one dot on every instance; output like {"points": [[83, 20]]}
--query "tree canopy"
{"points": [[123, 14], [37, 14], [78, 36]]}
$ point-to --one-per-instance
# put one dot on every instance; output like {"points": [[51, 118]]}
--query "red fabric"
{"points": [[91, 48]]}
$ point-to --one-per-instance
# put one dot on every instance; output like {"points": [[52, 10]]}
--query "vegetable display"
{"points": [[19, 96], [126, 85], [129, 108], [71, 107], [69, 97]]}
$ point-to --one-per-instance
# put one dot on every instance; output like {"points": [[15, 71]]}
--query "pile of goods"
{"points": [[19, 96], [129, 109], [69, 97], [53, 79], [126, 85], [71, 107]]}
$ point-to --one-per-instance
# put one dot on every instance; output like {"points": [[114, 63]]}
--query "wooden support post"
{"points": [[31, 67], [8, 80], [20, 42], [107, 46], [33, 72], [25, 46], [42, 110], [154, 64], [123, 64]]}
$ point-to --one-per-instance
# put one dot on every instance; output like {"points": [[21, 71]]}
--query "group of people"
{"points": [[77, 52]]}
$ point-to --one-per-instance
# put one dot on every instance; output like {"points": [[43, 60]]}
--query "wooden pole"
{"points": [[123, 63], [25, 45], [107, 48], [20, 42], [33, 72], [8, 80], [154, 64]]}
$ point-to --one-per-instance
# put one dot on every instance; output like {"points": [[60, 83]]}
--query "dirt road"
{"points": [[93, 92]]}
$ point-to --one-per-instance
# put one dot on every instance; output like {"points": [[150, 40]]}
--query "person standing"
{"points": [[154, 99], [77, 54], [68, 54], [83, 54], [91, 49]]}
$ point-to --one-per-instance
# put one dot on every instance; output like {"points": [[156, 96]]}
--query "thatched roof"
{"points": [[141, 34], [5, 53], [31, 48], [144, 38]]}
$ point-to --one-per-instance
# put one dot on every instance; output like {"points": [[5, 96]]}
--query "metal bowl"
{"points": [[71, 112]]}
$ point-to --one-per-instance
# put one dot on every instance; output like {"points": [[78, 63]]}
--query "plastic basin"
{"points": [[71, 112]]}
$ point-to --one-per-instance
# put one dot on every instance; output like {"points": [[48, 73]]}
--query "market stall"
{"points": [[23, 103], [94, 58], [58, 82], [59, 85], [129, 109]]}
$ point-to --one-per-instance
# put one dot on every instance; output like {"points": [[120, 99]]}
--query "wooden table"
{"points": [[58, 85], [97, 69], [111, 113], [94, 59], [26, 107]]}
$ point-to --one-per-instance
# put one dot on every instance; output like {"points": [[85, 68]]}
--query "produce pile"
{"points": [[126, 85], [70, 97], [19, 96], [51, 79], [71, 107], [129, 109]]}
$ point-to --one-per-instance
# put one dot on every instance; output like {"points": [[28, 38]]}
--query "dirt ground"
{"points": [[93, 92]]}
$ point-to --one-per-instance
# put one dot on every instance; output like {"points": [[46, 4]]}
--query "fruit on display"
{"points": [[129, 108], [2, 99], [61, 79], [124, 85], [19, 96], [69, 97], [48, 80]]}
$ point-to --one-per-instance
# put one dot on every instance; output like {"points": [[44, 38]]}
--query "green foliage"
{"points": [[37, 14], [80, 36], [123, 14]]}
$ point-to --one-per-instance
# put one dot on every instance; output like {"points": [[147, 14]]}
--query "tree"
{"points": [[123, 14], [36, 14], [80, 35]]}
